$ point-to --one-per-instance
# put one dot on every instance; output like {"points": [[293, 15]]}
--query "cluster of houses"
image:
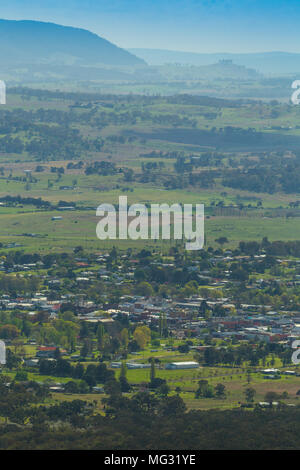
{"points": [[218, 317], [247, 322]]}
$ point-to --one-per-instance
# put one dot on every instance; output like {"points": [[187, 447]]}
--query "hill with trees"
{"points": [[34, 42]]}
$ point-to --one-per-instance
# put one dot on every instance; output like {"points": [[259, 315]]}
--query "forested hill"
{"points": [[33, 42]]}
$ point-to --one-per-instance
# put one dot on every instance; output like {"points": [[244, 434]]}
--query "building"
{"points": [[46, 352], [136, 365], [182, 365]]}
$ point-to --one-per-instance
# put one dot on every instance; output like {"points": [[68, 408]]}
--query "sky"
{"points": [[183, 25]]}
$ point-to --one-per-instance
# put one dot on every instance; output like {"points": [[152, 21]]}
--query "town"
{"points": [[200, 325]]}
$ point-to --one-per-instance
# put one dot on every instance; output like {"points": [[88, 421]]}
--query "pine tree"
{"points": [[100, 334], [125, 387], [152, 371], [165, 326], [160, 325]]}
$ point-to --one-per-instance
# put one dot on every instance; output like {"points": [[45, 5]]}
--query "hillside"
{"points": [[33, 42]]}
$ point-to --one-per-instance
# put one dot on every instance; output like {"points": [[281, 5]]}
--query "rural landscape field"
{"points": [[148, 156]]}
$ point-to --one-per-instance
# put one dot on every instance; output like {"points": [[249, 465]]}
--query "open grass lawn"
{"points": [[235, 392], [235, 382], [185, 381], [79, 228], [94, 398]]}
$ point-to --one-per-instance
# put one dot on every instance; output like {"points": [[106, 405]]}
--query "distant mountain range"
{"points": [[279, 63], [33, 51], [34, 42]]}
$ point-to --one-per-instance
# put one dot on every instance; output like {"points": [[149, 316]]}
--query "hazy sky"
{"points": [[186, 25]]}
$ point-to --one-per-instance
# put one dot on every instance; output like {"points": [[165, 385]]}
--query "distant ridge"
{"points": [[34, 42], [266, 62]]}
